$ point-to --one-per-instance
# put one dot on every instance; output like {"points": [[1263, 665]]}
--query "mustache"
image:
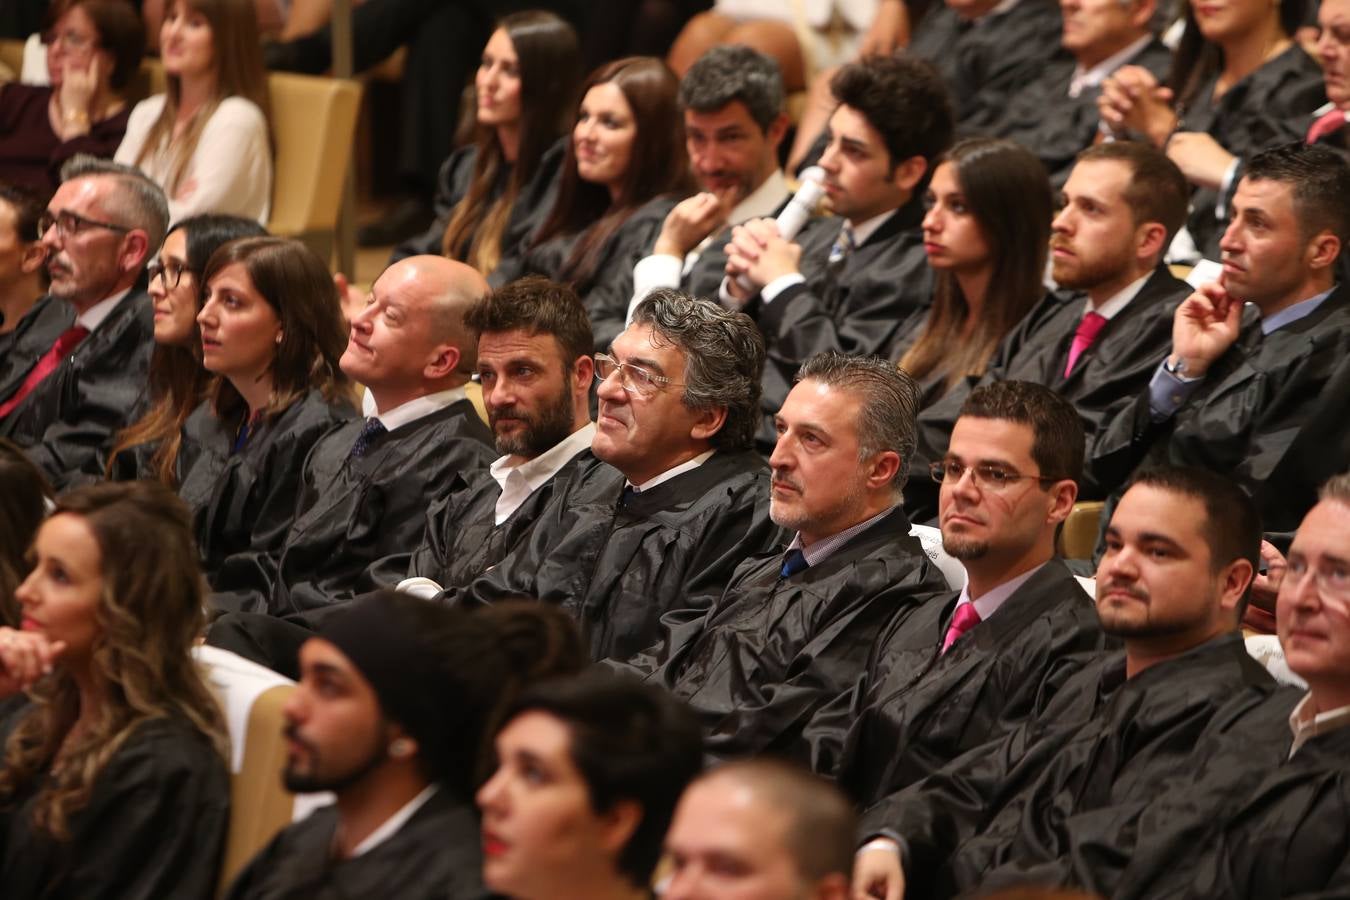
{"points": [[786, 482], [292, 733], [1116, 585]]}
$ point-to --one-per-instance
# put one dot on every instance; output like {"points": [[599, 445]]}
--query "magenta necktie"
{"points": [[965, 619], [1088, 329], [1326, 124]]}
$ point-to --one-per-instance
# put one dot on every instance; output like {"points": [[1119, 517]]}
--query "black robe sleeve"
{"points": [[68, 420], [773, 649], [154, 826], [30, 338]]}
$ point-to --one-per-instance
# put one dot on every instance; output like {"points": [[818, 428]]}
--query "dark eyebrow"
{"points": [[853, 144], [328, 670], [1154, 537]]}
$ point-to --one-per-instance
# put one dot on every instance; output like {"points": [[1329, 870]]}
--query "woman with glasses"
{"points": [[94, 47], [627, 149], [113, 781], [986, 233], [153, 446], [271, 335], [205, 141]]}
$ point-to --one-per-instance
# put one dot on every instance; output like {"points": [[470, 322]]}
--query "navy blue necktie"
{"points": [[372, 430], [793, 562]]}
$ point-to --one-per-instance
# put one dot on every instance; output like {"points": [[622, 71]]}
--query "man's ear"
{"points": [[1323, 250], [1063, 495], [1233, 584], [442, 364], [708, 423], [135, 251], [909, 173], [619, 823], [34, 256]]}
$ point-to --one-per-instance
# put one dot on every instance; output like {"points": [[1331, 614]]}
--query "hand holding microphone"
{"points": [[762, 250]]}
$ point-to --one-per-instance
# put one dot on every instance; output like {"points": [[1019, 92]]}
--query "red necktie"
{"points": [[1088, 329], [1326, 124], [965, 619], [46, 364]]}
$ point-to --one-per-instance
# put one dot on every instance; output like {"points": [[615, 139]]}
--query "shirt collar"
{"points": [[1306, 724], [687, 466], [1117, 302], [1085, 79], [93, 317], [824, 548], [541, 468], [395, 822], [763, 201], [1291, 314], [412, 410], [868, 228], [989, 602]]}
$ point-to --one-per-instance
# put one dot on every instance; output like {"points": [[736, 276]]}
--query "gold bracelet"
{"points": [[74, 117]]}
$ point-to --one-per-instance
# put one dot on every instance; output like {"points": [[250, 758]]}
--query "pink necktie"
{"points": [[1087, 332], [965, 619], [1326, 124], [67, 341]]}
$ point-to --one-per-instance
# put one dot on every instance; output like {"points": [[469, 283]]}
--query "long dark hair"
{"points": [[1196, 59], [549, 56], [657, 165], [295, 283], [177, 380], [24, 494], [1008, 192]]}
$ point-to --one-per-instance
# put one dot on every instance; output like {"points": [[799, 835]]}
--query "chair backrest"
{"points": [[313, 123], [11, 57], [1078, 537]]}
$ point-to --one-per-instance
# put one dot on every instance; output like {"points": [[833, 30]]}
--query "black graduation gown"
{"points": [[1267, 108], [772, 650], [154, 826], [1056, 127], [350, 513], [986, 64], [33, 336], [914, 710], [68, 420], [1244, 416], [243, 503], [436, 855], [607, 293], [1107, 376], [617, 566], [855, 309], [532, 204], [1100, 737]]}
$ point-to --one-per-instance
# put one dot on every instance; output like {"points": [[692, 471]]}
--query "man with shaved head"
{"points": [[367, 483]]}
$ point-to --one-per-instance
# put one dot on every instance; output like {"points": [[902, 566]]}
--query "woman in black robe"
{"points": [[112, 780], [627, 149], [272, 333]]}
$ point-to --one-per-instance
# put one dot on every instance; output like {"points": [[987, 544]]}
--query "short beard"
{"points": [[1089, 275], [549, 427], [313, 783], [964, 549]]}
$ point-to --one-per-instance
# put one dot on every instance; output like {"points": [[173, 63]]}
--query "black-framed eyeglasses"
{"points": [[69, 224], [635, 379], [986, 475], [171, 272]]}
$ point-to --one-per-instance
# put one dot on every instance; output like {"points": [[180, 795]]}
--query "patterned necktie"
{"points": [[965, 619], [843, 245], [1327, 123], [369, 432], [1088, 329], [67, 341], [793, 562]]}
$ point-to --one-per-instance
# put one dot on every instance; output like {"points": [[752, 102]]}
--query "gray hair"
{"points": [[734, 72], [138, 202], [1336, 488], [888, 408], [724, 359]]}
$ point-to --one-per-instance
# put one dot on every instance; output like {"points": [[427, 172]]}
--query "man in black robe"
{"points": [[1098, 339], [676, 499], [960, 670], [733, 104], [366, 484], [1182, 548], [1237, 387], [369, 721], [1055, 116], [792, 629], [101, 227], [23, 282], [848, 284]]}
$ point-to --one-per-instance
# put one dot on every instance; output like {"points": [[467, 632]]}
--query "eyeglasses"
{"points": [[72, 39], [987, 476], [635, 379], [1332, 580], [69, 224], [171, 273]]}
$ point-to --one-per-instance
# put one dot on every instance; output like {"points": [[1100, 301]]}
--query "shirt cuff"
{"points": [[1221, 205], [659, 270], [1167, 393], [727, 300], [770, 291]]}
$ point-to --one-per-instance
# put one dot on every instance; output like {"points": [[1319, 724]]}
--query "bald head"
{"points": [[410, 340], [785, 832]]}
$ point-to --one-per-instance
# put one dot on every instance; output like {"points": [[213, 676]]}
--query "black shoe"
{"points": [[409, 218]]}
